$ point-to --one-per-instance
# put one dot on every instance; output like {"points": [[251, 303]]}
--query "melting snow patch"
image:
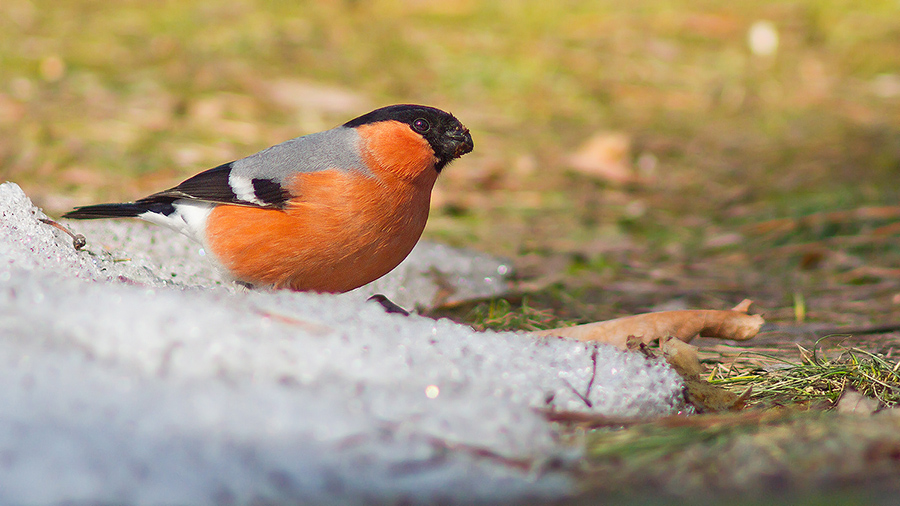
{"points": [[139, 376]]}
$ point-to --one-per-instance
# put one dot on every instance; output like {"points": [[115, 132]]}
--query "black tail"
{"points": [[125, 210]]}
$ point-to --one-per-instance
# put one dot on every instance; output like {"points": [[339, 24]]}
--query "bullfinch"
{"points": [[326, 212]]}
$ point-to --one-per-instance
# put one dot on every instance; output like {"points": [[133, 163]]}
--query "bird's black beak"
{"points": [[452, 144], [461, 142]]}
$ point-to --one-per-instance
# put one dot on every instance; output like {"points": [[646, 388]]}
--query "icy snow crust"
{"points": [[144, 378]]}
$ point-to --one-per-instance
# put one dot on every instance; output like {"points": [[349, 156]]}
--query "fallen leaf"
{"points": [[685, 325], [681, 356], [708, 398], [705, 397]]}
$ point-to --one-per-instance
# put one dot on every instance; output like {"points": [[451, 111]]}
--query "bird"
{"points": [[326, 212]]}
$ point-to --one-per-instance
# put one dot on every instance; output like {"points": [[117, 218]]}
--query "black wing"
{"points": [[214, 185]]}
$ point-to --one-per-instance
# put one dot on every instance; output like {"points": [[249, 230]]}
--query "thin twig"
{"points": [[587, 393], [78, 240], [590, 384], [579, 394]]}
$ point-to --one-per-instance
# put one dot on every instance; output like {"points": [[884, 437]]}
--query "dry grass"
{"points": [[815, 379]]}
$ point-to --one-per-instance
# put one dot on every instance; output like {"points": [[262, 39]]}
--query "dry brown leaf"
{"points": [[681, 356], [685, 325], [709, 398]]}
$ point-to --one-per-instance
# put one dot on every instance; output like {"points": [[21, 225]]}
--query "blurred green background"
{"points": [[641, 144]]}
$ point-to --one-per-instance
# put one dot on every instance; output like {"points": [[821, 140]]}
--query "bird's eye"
{"points": [[421, 126]]}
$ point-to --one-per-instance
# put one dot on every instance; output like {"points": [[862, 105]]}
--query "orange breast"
{"points": [[345, 228]]}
